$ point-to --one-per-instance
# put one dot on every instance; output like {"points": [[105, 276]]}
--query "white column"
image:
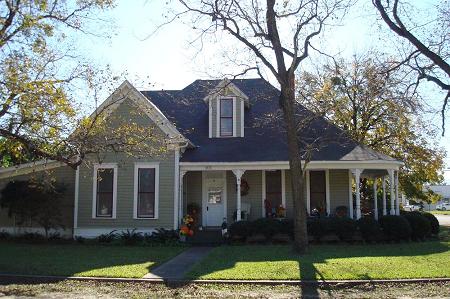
{"points": [[397, 199], [391, 185], [308, 193], [327, 190], [383, 180], [358, 193], [350, 194], [238, 173], [181, 202], [263, 192], [375, 200]]}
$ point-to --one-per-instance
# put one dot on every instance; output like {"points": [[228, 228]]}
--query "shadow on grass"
{"points": [[255, 262], [82, 260]]}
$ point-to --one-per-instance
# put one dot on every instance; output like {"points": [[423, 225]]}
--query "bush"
{"points": [[287, 227], [107, 238], [344, 227], [420, 225], [163, 236], [434, 223], [266, 226], [5, 235], [396, 227], [31, 237], [370, 229], [342, 211], [131, 237], [80, 239], [241, 229], [318, 227]]}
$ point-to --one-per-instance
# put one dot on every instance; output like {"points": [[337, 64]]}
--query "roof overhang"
{"points": [[27, 168]]}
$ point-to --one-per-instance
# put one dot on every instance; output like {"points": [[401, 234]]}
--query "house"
{"points": [[226, 155]]}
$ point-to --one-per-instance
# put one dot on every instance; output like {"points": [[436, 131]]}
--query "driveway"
{"points": [[443, 219]]}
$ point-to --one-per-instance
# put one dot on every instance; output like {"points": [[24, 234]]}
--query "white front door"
{"points": [[214, 197]]}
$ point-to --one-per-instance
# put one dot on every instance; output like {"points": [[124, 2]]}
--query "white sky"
{"points": [[166, 61]]}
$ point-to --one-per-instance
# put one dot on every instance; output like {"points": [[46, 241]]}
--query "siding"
{"points": [[338, 189], [193, 192], [125, 182], [253, 197], [64, 175]]}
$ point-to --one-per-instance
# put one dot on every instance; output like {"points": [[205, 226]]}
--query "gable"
{"points": [[127, 93]]}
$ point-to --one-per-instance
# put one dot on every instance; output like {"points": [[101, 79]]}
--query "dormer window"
{"points": [[226, 117]]}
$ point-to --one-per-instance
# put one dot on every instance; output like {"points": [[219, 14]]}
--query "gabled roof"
{"points": [[224, 87], [265, 137]]}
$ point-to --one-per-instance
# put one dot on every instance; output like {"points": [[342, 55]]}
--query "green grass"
{"points": [[440, 212], [383, 261], [82, 260]]}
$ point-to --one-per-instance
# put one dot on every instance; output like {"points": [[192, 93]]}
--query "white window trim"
{"points": [[242, 117], [137, 166], [210, 118], [218, 134], [94, 189]]}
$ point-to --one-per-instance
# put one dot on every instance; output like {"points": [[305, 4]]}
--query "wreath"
{"points": [[244, 187]]}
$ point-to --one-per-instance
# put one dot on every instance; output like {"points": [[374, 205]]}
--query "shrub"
{"points": [[131, 237], [31, 237], [266, 226], [80, 239], [162, 235], [287, 227], [434, 223], [370, 229], [396, 227], [343, 227], [420, 225], [318, 227], [241, 229], [342, 211], [5, 235], [107, 238]]}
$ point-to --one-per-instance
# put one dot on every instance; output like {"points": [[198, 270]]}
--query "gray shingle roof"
{"points": [[265, 137]]}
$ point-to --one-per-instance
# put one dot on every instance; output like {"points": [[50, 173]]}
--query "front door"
{"points": [[214, 197]]}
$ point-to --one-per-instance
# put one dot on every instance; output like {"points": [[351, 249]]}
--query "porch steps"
{"points": [[206, 238]]}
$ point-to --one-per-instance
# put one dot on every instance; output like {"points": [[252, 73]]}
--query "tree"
{"points": [[377, 109], [430, 42], [278, 36], [34, 201], [41, 74]]}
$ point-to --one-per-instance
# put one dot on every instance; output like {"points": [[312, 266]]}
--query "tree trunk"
{"points": [[287, 101]]}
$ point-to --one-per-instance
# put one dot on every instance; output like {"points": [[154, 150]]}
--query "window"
{"points": [[105, 189], [274, 193], [317, 182], [226, 117], [146, 179]]}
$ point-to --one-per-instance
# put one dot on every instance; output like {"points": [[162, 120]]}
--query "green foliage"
{"points": [[420, 226], [107, 238], [241, 229], [434, 223], [131, 237], [36, 201], [344, 227], [369, 228], [318, 227], [162, 236], [396, 227], [266, 226]]}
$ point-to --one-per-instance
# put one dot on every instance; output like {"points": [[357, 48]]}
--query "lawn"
{"points": [[440, 212], [82, 260], [383, 261]]}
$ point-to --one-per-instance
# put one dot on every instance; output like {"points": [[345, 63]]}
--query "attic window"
{"points": [[226, 117]]}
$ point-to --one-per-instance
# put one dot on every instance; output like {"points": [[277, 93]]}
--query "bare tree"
{"points": [[431, 50], [278, 35]]}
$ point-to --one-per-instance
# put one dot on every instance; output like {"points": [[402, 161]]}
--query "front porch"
{"points": [[219, 192]]}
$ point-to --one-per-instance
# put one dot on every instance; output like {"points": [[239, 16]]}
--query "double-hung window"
{"points": [[146, 190], [105, 191], [226, 117]]}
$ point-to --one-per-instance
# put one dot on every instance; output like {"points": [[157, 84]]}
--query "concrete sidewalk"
{"points": [[177, 267]]}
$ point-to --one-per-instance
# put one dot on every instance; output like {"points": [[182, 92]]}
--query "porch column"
{"points": [[327, 191], [375, 200], [397, 199], [391, 185], [350, 194], [238, 174], [181, 197], [383, 183], [358, 193]]}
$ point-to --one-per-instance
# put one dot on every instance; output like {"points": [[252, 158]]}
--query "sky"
{"points": [[166, 60]]}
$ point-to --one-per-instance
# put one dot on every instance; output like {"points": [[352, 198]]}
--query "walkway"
{"points": [[177, 267], [443, 219]]}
